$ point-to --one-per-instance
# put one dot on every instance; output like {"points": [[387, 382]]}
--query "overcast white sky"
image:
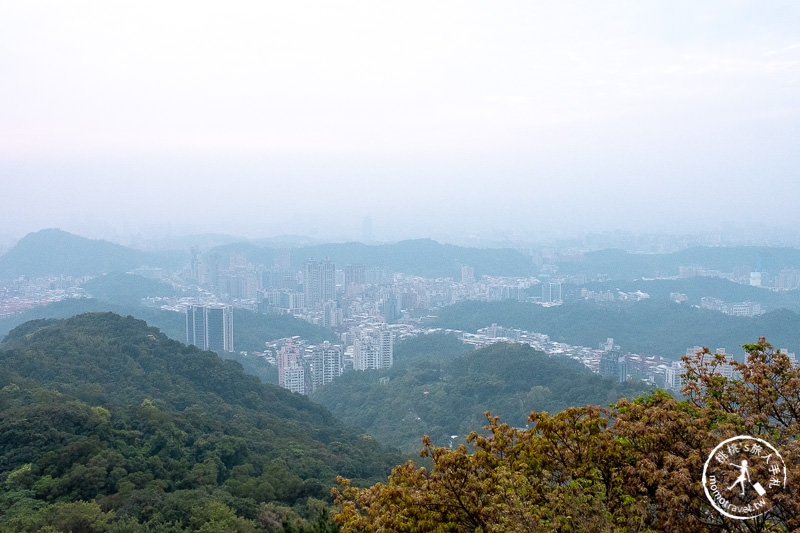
{"points": [[431, 117]]}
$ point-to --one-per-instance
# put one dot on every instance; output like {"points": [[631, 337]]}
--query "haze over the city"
{"points": [[517, 119]]}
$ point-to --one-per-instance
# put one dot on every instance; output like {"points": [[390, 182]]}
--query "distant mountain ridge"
{"points": [[695, 288], [420, 257], [127, 289], [55, 252], [649, 327], [619, 264]]}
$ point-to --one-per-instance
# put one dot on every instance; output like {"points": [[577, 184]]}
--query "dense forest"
{"points": [[108, 425], [440, 387], [646, 327]]}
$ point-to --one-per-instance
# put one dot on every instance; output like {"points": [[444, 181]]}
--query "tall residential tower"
{"points": [[319, 283], [210, 327]]}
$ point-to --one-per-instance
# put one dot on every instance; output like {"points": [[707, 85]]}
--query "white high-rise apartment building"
{"points": [[373, 349], [326, 364], [365, 354], [386, 348], [291, 370], [210, 327], [294, 379], [672, 376]]}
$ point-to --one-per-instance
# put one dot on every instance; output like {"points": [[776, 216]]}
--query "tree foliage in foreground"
{"points": [[635, 466]]}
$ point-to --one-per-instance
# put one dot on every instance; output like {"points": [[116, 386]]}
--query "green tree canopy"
{"points": [[635, 466]]}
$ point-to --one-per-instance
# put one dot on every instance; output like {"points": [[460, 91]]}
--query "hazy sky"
{"points": [[430, 117]]}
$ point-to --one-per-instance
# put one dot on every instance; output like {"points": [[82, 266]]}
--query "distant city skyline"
{"points": [[355, 120]]}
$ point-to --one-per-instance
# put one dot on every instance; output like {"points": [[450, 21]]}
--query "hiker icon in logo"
{"points": [[745, 472], [749, 459]]}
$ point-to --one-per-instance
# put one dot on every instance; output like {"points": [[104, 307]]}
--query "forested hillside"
{"points": [[440, 387], [647, 327], [127, 289], [106, 421], [698, 287], [621, 265]]}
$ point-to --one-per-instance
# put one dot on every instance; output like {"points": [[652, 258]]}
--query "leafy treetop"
{"points": [[635, 466]]}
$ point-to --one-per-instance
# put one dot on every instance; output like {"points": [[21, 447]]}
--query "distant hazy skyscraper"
{"points": [[196, 326], [386, 348], [312, 279], [331, 315], [389, 308], [210, 327], [219, 328], [196, 264], [551, 291], [467, 275], [319, 282], [328, 272], [366, 229], [354, 274], [283, 259], [612, 363], [375, 275]]}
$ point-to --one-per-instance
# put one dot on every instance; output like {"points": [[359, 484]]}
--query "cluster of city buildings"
{"points": [[786, 279], [339, 298], [718, 362], [26, 293], [363, 305], [321, 293], [612, 296], [607, 359], [369, 308], [734, 309], [304, 367]]}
